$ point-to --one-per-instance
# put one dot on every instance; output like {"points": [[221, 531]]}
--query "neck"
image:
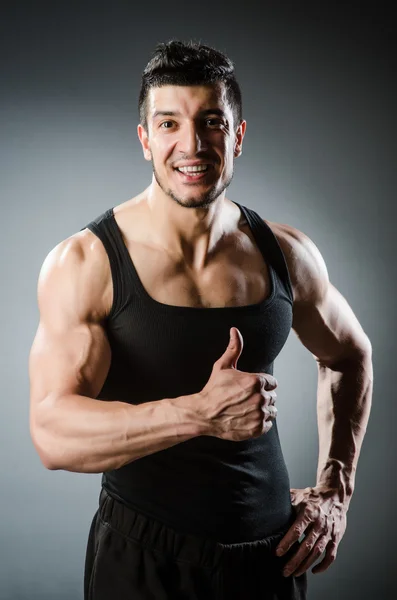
{"points": [[188, 233]]}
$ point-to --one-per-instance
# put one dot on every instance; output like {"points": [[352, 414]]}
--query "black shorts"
{"points": [[133, 557]]}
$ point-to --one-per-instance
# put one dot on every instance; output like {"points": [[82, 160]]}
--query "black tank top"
{"points": [[228, 491]]}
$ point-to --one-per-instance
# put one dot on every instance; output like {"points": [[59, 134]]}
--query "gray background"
{"points": [[319, 100]]}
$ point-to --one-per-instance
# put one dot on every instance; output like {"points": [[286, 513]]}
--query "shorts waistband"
{"points": [[192, 548]]}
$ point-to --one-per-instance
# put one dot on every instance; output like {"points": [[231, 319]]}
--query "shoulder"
{"points": [[80, 262], [307, 269], [83, 247]]}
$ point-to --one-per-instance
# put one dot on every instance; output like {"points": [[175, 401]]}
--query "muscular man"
{"points": [[153, 364]]}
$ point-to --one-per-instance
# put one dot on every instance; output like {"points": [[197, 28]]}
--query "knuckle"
{"points": [[311, 514], [267, 425], [270, 382], [320, 549], [269, 398]]}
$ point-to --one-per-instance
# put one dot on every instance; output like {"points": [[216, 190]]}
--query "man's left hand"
{"points": [[321, 517]]}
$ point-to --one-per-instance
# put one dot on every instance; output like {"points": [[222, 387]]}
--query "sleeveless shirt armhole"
{"points": [[113, 267], [278, 252], [283, 263]]}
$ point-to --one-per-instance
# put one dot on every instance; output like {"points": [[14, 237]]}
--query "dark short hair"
{"points": [[189, 63]]}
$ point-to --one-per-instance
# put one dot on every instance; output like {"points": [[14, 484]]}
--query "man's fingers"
{"points": [[267, 425], [330, 555], [293, 534], [310, 550], [313, 556], [269, 411], [270, 398], [268, 381]]}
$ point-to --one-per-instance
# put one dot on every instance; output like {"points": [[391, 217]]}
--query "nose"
{"points": [[192, 140]]}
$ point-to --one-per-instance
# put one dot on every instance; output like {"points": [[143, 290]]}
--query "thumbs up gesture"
{"points": [[236, 405]]}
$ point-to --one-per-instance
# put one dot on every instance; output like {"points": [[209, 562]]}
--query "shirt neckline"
{"points": [[215, 310]]}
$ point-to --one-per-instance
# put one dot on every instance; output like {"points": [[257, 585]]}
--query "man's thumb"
{"points": [[232, 353]]}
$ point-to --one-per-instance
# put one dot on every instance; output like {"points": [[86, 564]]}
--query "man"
{"points": [[144, 314]]}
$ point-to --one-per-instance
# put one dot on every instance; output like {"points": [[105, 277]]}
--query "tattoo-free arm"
{"points": [[326, 325], [344, 393]]}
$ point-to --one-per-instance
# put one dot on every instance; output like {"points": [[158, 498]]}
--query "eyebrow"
{"points": [[172, 113]]}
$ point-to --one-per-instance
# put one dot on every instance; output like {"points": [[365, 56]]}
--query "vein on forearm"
{"points": [[344, 398]]}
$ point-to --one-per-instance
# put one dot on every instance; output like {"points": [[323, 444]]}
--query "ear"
{"points": [[144, 139], [238, 144]]}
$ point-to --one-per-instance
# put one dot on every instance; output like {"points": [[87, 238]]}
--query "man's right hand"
{"points": [[234, 404]]}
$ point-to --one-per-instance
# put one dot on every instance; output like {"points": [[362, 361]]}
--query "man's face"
{"points": [[191, 124]]}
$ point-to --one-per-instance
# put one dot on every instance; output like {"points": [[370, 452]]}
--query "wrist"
{"points": [[187, 415], [336, 479]]}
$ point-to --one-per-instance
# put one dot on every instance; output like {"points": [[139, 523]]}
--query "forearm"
{"points": [[344, 398], [86, 435]]}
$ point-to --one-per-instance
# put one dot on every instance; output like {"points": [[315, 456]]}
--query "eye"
{"points": [[165, 123], [214, 121]]}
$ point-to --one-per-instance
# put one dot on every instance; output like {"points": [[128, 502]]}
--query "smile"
{"points": [[193, 173]]}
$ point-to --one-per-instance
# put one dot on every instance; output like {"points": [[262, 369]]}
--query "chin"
{"points": [[198, 200]]}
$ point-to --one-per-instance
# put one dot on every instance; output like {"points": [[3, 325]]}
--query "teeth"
{"points": [[195, 169]]}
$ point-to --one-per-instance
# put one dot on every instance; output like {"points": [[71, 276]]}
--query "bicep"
{"points": [[70, 353], [323, 320], [75, 361], [327, 326]]}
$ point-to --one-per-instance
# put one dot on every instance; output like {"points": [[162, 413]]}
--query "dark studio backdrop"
{"points": [[319, 153]]}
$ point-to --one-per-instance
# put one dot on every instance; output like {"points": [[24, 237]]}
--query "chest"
{"points": [[237, 275]]}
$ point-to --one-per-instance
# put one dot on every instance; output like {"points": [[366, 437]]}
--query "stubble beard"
{"points": [[203, 201]]}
